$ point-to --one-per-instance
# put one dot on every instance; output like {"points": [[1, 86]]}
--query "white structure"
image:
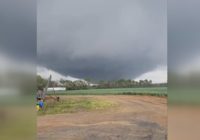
{"points": [[56, 89]]}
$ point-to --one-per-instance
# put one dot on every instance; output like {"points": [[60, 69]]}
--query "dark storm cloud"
{"points": [[100, 39], [18, 28], [183, 31]]}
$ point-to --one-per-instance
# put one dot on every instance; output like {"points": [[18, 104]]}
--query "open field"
{"points": [[72, 105], [131, 118], [153, 91]]}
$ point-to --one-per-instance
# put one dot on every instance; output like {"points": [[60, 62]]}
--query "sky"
{"points": [[158, 75], [17, 37], [18, 29], [183, 36], [102, 40], [45, 73]]}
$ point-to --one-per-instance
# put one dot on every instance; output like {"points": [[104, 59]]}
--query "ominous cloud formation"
{"points": [[18, 29], [102, 39], [183, 33]]}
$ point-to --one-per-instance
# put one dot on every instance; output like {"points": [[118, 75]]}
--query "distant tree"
{"points": [[124, 83], [53, 84], [69, 85], [121, 83], [41, 83], [62, 81]]}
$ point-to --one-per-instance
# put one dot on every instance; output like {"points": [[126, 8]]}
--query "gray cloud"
{"points": [[18, 28], [183, 32], [108, 39]]}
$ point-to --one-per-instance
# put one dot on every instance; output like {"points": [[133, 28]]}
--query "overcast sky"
{"points": [[102, 39], [183, 35], [18, 29]]}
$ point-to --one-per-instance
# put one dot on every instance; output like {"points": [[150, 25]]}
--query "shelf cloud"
{"points": [[102, 39]]}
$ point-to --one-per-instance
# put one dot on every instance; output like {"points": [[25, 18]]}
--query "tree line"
{"points": [[83, 84]]}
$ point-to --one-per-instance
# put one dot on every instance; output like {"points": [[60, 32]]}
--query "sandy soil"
{"points": [[135, 118], [183, 122]]}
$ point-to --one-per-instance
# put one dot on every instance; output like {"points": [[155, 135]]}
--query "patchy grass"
{"points": [[151, 91], [72, 105]]}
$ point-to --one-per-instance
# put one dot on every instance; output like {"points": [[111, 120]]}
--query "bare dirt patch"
{"points": [[135, 118]]}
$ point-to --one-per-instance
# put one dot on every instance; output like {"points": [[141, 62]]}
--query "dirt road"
{"points": [[135, 118]]}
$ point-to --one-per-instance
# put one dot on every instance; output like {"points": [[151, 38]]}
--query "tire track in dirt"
{"points": [[136, 117]]}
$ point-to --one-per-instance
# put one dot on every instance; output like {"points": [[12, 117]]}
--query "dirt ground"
{"points": [[134, 118]]}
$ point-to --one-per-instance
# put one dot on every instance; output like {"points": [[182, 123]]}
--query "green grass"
{"points": [[74, 105], [184, 96], [152, 91]]}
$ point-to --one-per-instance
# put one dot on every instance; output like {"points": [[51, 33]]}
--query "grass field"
{"points": [[72, 105], [152, 91]]}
